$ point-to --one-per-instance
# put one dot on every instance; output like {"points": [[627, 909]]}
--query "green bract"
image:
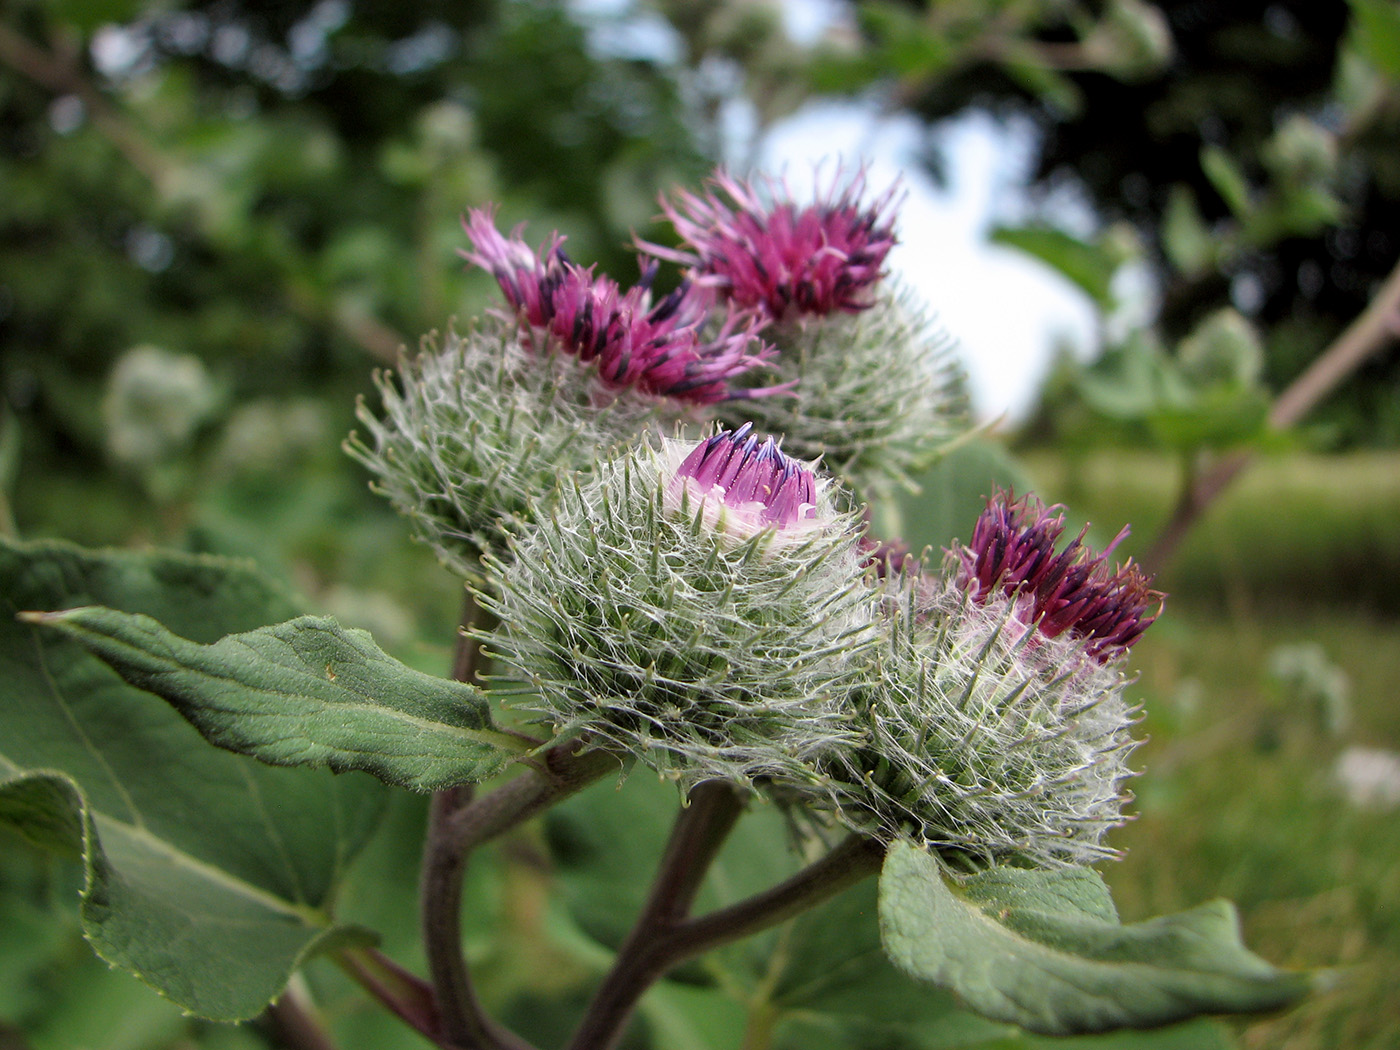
{"points": [[476, 432], [876, 394], [637, 614]]}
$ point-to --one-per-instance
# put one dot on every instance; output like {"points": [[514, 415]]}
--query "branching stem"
{"points": [[408, 997], [699, 832], [1377, 327], [663, 937]]}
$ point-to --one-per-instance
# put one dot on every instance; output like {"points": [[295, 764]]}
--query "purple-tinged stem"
{"points": [[666, 946], [696, 838], [409, 998], [462, 1020]]}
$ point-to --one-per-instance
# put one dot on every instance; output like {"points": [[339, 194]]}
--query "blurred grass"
{"points": [[1292, 528], [1239, 798]]}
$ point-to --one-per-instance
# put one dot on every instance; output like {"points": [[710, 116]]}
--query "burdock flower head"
{"points": [[877, 394], [666, 347], [701, 606], [751, 241], [996, 727]]}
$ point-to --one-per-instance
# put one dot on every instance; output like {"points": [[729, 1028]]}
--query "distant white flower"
{"points": [[1369, 777]]}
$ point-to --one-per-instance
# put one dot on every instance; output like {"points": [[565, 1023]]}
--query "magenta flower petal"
{"points": [[659, 348], [765, 252], [1075, 592], [528, 280]]}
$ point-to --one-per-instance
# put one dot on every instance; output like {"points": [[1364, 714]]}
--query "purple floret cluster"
{"points": [[765, 252], [749, 474], [750, 263], [1076, 591]]}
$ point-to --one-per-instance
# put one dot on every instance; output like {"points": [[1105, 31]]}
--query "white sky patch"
{"points": [[807, 21], [1006, 311]]}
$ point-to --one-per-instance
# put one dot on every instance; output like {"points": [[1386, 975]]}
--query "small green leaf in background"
{"points": [[1376, 29], [1225, 175], [1087, 266], [307, 692], [208, 875], [1185, 237], [1045, 950]]}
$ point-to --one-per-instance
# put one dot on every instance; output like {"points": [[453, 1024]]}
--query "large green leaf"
{"points": [[1376, 31], [307, 692], [206, 874], [831, 985], [1045, 950]]}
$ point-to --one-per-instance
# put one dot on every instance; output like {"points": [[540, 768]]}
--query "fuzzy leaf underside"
{"points": [[1045, 950], [206, 875], [307, 692]]}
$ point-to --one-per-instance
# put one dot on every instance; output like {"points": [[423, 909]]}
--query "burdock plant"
{"points": [[653, 495]]}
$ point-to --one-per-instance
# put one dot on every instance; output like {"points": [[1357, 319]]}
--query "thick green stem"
{"points": [[556, 773], [851, 861]]}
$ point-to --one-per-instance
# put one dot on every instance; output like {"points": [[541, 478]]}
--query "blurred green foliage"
{"points": [[270, 195]]}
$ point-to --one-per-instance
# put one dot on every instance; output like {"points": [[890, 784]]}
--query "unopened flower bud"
{"points": [[875, 395], [474, 435]]}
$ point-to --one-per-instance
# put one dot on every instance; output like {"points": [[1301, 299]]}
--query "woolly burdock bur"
{"points": [[996, 725], [702, 607]]}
